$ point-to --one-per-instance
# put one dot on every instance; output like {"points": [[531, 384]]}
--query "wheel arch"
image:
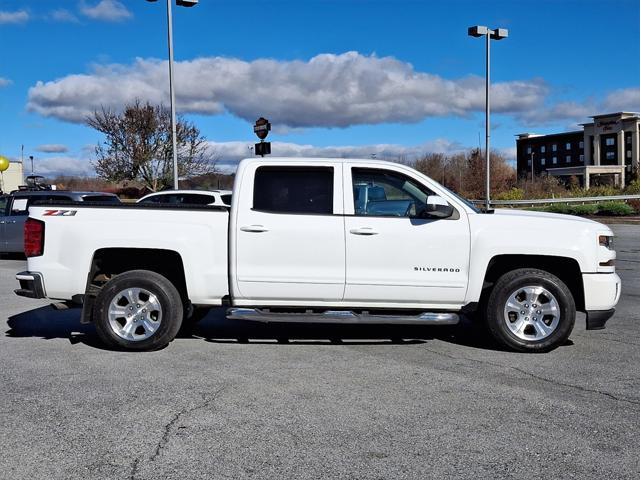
{"points": [[109, 262], [565, 268]]}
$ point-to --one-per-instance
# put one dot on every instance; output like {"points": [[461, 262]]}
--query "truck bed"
{"points": [[75, 231]]}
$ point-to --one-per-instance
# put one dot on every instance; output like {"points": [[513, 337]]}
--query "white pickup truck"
{"points": [[323, 241]]}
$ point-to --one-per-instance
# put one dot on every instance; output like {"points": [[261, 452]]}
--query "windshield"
{"points": [[462, 199]]}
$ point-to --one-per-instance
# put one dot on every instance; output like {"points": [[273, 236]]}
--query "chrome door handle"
{"points": [[363, 231], [254, 228]]}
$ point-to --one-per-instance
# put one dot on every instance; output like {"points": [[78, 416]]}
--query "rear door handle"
{"points": [[363, 231], [254, 228]]}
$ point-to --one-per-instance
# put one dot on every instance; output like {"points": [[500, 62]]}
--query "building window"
{"points": [[610, 142], [582, 158], [554, 160], [628, 138], [568, 146], [628, 153], [529, 162], [543, 160], [582, 145], [567, 159], [529, 150], [543, 149], [554, 147], [611, 155]]}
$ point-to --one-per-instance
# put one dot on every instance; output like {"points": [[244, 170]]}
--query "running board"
{"points": [[342, 316]]}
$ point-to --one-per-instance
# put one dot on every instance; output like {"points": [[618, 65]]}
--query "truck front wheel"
{"points": [[138, 310], [530, 310]]}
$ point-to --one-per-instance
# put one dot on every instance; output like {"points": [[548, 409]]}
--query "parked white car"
{"points": [[324, 240], [189, 197]]}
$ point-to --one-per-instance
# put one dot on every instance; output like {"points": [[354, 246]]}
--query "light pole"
{"points": [[495, 34], [172, 93]]}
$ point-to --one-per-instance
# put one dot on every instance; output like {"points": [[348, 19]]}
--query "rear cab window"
{"points": [[297, 190]]}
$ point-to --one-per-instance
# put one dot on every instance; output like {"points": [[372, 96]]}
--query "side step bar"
{"points": [[342, 316]]}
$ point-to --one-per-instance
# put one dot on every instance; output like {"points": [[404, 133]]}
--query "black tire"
{"points": [[167, 297], [496, 318]]}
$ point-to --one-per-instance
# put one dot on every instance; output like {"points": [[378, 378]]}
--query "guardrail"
{"points": [[543, 201]]}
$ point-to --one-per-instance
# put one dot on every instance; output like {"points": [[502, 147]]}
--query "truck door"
{"points": [[392, 255], [289, 233], [4, 201], [17, 214]]}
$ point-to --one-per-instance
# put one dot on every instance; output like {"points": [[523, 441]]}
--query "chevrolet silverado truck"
{"points": [[323, 241]]}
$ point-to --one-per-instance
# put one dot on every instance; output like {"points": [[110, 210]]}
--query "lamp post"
{"points": [[495, 34], [172, 94]]}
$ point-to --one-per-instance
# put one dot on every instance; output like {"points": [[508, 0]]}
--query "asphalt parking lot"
{"points": [[318, 401]]}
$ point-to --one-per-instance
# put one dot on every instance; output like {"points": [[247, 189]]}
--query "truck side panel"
{"points": [[198, 236]]}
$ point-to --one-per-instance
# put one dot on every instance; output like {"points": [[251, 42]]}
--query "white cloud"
{"points": [[573, 113], [230, 153], [64, 165], [52, 148], [106, 10], [623, 100], [5, 82], [63, 15], [559, 112], [19, 16], [326, 91]]}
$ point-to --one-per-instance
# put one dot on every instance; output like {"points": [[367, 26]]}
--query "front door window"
{"points": [[382, 193]]}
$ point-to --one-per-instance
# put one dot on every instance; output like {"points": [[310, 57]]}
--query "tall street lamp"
{"points": [[172, 94], [495, 34]]}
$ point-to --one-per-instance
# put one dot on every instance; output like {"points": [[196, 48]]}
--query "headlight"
{"points": [[606, 241]]}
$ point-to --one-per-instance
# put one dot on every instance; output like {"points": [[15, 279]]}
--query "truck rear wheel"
{"points": [[138, 310], [530, 310]]}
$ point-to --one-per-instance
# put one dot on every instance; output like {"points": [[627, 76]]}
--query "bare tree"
{"points": [[464, 172], [137, 146]]}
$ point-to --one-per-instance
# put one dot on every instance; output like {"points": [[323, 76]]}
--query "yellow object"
{"points": [[4, 163]]}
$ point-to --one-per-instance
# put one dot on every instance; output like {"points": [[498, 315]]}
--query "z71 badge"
{"points": [[59, 213]]}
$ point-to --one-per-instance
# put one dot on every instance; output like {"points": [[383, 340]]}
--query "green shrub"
{"points": [[615, 209], [513, 194], [600, 191], [560, 208], [588, 209]]}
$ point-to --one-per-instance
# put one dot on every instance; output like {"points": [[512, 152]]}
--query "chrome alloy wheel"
{"points": [[532, 313], [135, 314]]}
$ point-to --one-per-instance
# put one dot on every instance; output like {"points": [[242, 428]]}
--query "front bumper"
{"points": [[601, 290], [31, 285]]}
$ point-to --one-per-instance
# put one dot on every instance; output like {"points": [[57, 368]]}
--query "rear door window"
{"points": [[294, 190]]}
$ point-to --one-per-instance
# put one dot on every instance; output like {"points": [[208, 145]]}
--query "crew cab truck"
{"points": [[323, 240]]}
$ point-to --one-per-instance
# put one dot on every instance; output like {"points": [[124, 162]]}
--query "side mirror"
{"points": [[436, 207]]}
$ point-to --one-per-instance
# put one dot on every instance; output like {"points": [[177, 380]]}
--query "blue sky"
{"points": [[345, 78]]}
